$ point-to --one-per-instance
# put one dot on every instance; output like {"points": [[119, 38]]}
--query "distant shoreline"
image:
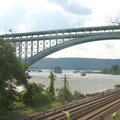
{"points": [[75, 63], [91, 83]]}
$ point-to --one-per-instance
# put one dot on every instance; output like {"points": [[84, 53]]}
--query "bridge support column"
{"points": [[26, 49], [31, 48], [20, 50], [37, 46]]}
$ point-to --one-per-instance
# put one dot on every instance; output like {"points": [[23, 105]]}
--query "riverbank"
{"points": [[20, 115], [91, 83]]}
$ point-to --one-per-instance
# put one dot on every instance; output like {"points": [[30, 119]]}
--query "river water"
{"points": [[90, 83]]}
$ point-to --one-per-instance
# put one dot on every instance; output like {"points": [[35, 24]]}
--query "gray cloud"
{"points": [[77, 9], [72, 7], [40, 18], [49, 20], [53, 19]]}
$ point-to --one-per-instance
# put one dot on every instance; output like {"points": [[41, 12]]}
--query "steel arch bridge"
{"points": [[33, 46]]}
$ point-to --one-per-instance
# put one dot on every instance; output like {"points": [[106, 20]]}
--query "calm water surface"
{"points": [[90, 83]]}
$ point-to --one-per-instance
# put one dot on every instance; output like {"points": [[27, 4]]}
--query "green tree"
{"points": [[118, 71], [51, 89], [64, 94], [34, 94], [117, 86], [77, 95], [105, 71], [12, 74], [114, 69]]}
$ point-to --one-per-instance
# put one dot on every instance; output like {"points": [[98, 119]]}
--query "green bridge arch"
{"points": [[76, 41], [33, 46]]}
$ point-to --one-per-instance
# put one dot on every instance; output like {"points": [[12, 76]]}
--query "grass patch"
{"points": [[4, 118], [9, 115], [31, 110], [40, 108]]}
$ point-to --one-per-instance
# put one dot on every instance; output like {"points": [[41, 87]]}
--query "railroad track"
{"points": [[82, 110]]}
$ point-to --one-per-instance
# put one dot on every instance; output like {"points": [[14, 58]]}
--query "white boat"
{"points": [[83, 73]]}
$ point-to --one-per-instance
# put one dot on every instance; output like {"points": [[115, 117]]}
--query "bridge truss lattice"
{"points": [[33, 46]]}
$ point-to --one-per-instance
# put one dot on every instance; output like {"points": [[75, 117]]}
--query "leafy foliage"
{"points": [[12, 70], [105, 71], [117, 86], [115, 69], [67, 115], [64, 93], [12, 74], [51, 90], [7, 97], [78, 95], [34, 94], [116, 116]]}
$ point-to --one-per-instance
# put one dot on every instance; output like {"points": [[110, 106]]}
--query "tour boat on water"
{"points": [[82, 73]]}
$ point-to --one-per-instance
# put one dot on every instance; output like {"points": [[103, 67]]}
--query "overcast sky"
{"points": [[38, 15]]}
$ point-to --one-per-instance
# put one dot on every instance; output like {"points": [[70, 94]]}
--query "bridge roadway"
{"points": [[59, 34], [92, 108], [33, 46]]}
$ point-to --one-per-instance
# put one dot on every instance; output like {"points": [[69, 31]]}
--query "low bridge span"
{"points": [[33, 46]]}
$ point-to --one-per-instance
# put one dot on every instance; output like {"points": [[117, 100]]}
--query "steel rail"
{"points": [[85, 109], [78, 115], [72, 105], [111, 106]]}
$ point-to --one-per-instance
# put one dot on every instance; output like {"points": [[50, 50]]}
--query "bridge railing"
{"points": [[31, 43]]}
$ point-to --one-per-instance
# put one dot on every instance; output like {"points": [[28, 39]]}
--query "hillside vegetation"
{"points": [[115, 70], [76, 63]]}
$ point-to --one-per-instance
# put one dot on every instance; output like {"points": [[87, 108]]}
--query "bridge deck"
{"points": [[33, 46], [83, 29]]}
